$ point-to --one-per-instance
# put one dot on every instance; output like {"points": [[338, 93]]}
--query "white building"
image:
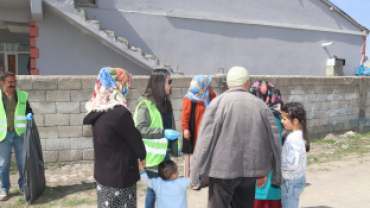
{"points": [[280, 37]]}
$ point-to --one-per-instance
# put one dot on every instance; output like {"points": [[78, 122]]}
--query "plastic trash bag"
{"points": [[363, 71], [33, 163]]}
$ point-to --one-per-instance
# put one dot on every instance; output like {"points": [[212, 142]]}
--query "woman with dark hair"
{"points": [[154, 119], [117, 143]]}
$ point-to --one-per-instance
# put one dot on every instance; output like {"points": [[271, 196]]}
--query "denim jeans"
{"points": [[290, 192], [150, 194], [11, 139]]}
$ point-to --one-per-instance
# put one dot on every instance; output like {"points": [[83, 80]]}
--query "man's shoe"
{"points": [[21, 191], [3, 195]]}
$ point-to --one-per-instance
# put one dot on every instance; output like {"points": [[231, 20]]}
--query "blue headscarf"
{"points": [[199, 89]]}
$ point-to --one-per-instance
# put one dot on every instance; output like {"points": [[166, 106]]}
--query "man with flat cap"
{"points": [[238, 145]]}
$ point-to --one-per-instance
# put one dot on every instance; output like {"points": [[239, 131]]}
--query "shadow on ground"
{"points": [[59, 192]]}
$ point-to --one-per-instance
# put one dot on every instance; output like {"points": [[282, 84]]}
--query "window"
{"points": [[15, 57], [86, 2], [2, 46]]}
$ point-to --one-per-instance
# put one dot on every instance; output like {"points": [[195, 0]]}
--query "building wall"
{"points": [[198, 46], [65, 50], [333, 105]]}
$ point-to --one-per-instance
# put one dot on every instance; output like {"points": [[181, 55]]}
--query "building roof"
{"points": [[345, 15]]}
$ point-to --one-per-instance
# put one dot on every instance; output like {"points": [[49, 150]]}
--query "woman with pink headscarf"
{"points": [[117, 143]]}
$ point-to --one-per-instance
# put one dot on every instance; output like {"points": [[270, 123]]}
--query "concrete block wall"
{"points": [[333, 104]]}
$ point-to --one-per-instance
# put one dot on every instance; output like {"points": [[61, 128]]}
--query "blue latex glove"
{"points": [[29, 117], [171, 134]]}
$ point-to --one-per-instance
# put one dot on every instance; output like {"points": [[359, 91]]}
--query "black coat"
{"points": [[117, 146]]}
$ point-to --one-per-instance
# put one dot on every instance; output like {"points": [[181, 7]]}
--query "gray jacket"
{"points": [[238, 137]]}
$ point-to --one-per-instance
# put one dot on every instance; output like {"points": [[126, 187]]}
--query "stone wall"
{"points": [[333, 104]]}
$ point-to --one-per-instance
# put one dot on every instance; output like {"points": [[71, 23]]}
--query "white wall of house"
{"points": [[65, 50], [202, 46]]}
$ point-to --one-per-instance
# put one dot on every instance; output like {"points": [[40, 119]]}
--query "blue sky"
{"points": [[358, 10]]}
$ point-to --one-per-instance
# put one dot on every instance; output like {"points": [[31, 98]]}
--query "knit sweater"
{"points": [[117, 145]]}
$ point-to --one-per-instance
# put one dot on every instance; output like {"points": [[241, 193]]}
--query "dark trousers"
{"points": [[239, 191]]}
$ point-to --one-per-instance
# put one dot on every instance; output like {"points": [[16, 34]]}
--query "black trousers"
{"points": [[239, 192]]}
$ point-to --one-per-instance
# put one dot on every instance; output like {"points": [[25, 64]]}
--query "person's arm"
{"points": [[292, 157], [28, 108], [143, 125], [145, 179], [209, 131], [186, 113], [274, 138], [126, 128]]}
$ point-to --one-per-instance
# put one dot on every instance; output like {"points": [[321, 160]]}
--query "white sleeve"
{"points": [[145, 180]]}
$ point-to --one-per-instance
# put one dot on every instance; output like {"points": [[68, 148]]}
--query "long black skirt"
{"points": [[116, 197]]}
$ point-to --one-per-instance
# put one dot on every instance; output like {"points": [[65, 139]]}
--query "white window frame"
{"points": [[16, 53]]}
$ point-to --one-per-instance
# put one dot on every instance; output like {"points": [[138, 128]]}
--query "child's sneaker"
{"points": [[21, 191], [3, 195]]}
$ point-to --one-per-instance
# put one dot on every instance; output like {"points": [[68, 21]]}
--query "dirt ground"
{"points": [[337, 177]]}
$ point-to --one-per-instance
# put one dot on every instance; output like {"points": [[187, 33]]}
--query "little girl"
{"points": [[294, 156]]}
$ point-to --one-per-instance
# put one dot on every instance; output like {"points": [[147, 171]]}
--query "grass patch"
{"points": [[328, 149], [13, 169], [78, 202]]}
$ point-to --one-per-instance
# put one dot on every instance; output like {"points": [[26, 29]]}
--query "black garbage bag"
{"points": [[33, 164]]}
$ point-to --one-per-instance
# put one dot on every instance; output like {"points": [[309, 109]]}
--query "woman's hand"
{"points": [[261, 181], [142, 165], [211, 90], [187, 134]]}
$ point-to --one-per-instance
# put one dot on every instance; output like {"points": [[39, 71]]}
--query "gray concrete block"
{"points": [[367, 102], [177, 114], [50, 156], [177, 93], [81, 95], [318, 81], [88, 154], [24, 82], [58, 144], [327, 90], [355, 110], [324, 121], [329, 97], [43, 144], [76, 119], [68, 107], [82, 107], [310, 115], [181, 81], [322, 129], [352, 96], [39, 119], [58, 95], [339, 89], [70, 155], [48, 132], [36, 95], [69, 83], [56, 119], [328, 81], [299, 81], [87, 131], [313, 122], [177, 104], [43, 107], [82, 144], [88, 82], [134, 94], [70, 131], [285, 81], [139, 82], [338, 96], [44, 82], [296, 98], [305, 90]]}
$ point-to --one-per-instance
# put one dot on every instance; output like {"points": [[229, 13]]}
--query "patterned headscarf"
{"points": [[268, 93], [110, 90], [199, 89]]}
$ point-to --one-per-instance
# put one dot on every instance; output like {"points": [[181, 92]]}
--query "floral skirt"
{"points": [[116, 197]]}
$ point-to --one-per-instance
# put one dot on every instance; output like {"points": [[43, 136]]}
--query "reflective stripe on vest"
{"points": [[155, 148], [19, 115]]}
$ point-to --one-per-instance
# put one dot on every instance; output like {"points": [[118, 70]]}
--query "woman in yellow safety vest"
{"points": [[154, 119]]}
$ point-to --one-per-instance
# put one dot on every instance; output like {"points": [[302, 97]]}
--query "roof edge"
{"points": [[345, 15]]}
